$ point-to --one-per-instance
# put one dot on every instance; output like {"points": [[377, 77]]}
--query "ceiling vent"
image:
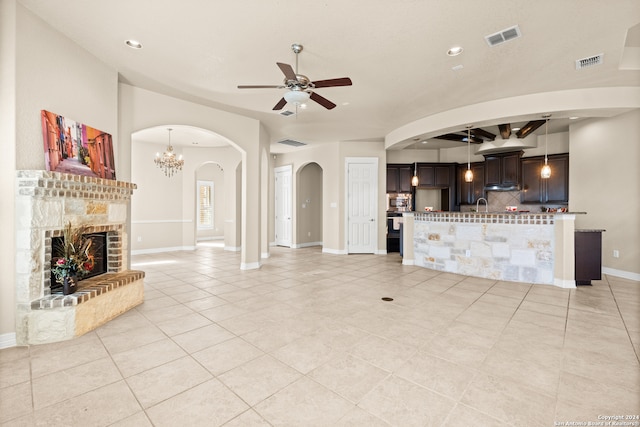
{"points": [[291, 142], [588, 62], [286, 113], [503, 36]]}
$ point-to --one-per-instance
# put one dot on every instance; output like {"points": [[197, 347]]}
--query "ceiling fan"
{"points": [[300, 87]]}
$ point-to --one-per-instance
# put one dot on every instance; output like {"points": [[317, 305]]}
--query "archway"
{"points": [[164, 211], [308, 206]]}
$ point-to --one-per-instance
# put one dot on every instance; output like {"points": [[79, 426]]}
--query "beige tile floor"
{"points": [[306, 340]]}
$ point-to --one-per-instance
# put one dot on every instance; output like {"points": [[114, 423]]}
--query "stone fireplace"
{"points": [[45, 202]]}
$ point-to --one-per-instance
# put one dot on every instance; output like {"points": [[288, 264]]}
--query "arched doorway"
{"points": [[165, 210], [309, 206]]}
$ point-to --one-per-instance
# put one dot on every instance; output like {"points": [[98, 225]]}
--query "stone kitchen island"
{"points": [[511, 246]]}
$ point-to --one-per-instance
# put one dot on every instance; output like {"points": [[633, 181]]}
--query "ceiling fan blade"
{"points": [[261, 87], [280, 104], [287, 70], [343, 81], [323, 101]]}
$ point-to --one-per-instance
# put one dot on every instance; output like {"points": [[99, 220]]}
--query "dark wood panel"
{"points": [[392, 179], [492, 171], [404, 178], [510, 172], [426, 175], [558, 182], [531, 182], [588, 257], [442, 176]]}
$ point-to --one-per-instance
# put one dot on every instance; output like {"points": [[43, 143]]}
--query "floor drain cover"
{"points": [[387, 299]]}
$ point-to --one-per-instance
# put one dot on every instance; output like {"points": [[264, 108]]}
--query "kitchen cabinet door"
{"points": [[442, 176], [426, 175], [531, 181], [558, 183], [510, 169], [492, 171], [392, 179], [405, 172], [469, 192]]}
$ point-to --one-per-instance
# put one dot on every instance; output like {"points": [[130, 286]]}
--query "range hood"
{"points": [[502, 187], [507, 145]]}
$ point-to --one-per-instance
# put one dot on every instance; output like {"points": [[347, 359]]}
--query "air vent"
{"points": [[291, 142], [588, 62], [503, 36], [286, 113]]}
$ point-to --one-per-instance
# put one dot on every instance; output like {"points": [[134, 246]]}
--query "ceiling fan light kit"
{"points": [[300, 87]]}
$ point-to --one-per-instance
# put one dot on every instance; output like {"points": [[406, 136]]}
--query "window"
{"points": [[205, 204]]}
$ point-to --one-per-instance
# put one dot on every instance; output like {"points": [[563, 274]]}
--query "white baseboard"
{"points": [[232, 248], [564, 283], [8, 340], [334, 251], [381, 252], [160, 250], [306, 245], [265, 255], [249, 265], [620, 273], [408, 261]]}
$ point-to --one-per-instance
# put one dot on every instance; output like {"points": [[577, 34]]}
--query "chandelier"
{"points": [[168, 162]]}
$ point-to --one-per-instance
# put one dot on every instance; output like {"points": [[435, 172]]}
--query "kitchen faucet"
{"points": [[486, 205]]}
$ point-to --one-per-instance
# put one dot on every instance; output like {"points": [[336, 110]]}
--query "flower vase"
{"points": [[69, 284]]}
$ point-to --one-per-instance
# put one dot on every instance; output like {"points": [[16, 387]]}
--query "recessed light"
{"points": [[457, 67], [573, 117], [425, 141], [515, 129], [133, 44], [455, 51]]}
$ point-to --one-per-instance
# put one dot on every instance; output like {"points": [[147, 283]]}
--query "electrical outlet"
{"points": [[139, 238], [616, 253], [309, 234], [467, 253]]}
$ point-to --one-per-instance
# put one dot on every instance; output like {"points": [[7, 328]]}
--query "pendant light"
{"points": [[468, 175], [414, 179], [545, 172]]}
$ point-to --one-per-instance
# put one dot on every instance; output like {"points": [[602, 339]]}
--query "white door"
{"points": [[283, 205], [362, 202]]}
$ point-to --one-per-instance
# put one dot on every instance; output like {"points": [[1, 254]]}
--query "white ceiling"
{"points": [[394, 52]]}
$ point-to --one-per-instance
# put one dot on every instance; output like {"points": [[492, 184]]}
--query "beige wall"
{"points": [[7, 174], [41, 69], [604, 181]]}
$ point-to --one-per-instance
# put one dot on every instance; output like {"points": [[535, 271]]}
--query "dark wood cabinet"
{"points": [[551, 190], [399, 178], [470, 192], [502, 170], [434, 175], [588, 256]]}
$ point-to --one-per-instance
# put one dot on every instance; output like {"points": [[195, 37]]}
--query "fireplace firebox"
{"points": [[99, 250]]}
